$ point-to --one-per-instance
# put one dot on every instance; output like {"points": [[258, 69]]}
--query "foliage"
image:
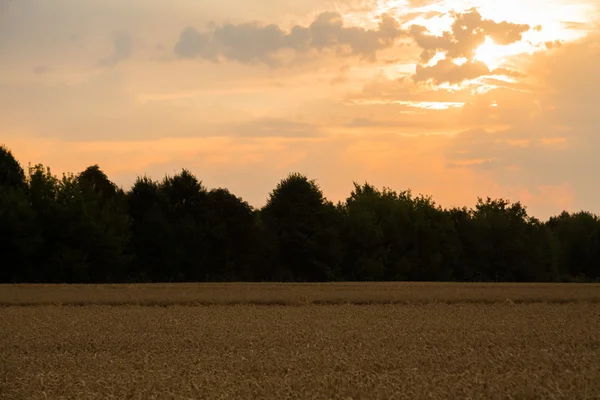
{"points": [[303, 226], [11, 173], [84, 228]]}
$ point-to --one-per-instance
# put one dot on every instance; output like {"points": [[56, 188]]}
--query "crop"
{"points": [[523, 344]]}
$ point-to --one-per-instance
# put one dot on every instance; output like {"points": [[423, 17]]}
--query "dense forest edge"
{"points": [[82, 228]]}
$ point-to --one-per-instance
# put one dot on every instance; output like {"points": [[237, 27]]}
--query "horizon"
{"points": [[454, 99], [341, 200]]}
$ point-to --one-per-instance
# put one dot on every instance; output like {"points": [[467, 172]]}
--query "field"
{"points": [[279, 341]]}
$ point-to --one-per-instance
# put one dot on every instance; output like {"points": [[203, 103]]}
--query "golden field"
{"points": [[279, 341]]}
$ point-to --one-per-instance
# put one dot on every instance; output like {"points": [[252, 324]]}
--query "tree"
{"points": [[11, 173], [187, 211], [232, 238], [94, 180], [542, 263], [20, 236], [395, 236], [365, 238], [578, 242], [83, 228], [19, 232], [153, 240], [505, 249], [304, 227], [107, 222], [436, 242], [85, 237], [61, 258], [467, 266]]}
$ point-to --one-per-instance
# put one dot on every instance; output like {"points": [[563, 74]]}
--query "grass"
{"points": [[329, 341]]}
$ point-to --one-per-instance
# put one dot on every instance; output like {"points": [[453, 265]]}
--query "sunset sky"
{"points": [[455, 99]]}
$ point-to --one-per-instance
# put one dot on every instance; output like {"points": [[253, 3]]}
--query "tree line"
{"points": [[84, 228]]}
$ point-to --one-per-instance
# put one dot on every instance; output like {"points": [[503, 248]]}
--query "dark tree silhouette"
{"points": [[232, 238], [107, 223], [11, 172], [83, 228], [93, 179], [20, 237], [395, 236], [153, 240], [303, 225], [578, 242], [187, 211]]}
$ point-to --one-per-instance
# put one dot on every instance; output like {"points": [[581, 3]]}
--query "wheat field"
{"points": [[286, 341]]}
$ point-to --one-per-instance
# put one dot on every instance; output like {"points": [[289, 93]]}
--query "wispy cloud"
{"points": [[41, 69], [122, 49]]}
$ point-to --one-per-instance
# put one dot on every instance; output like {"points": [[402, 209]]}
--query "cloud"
{"points": [[122, 49], [468, 31], [342, 77], [41, 69], [404, 125], [547, 136], [383, 89], [252, 43], [447, 71], [274, 128]]}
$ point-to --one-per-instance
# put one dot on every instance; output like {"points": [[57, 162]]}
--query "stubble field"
{"points": [[277, 341]]}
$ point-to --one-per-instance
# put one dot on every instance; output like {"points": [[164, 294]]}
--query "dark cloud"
{"points": [[41, 69], [552, 44], [469, 31], [250, 43], [446, 71], [194, 44], [503, 33], [122, 49], [404, 125], [429, 43], [390, 90], [4, 5], [342, 76]]}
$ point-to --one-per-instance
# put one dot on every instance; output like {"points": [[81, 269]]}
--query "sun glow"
{"points": [[545, 17], [494, 55]]}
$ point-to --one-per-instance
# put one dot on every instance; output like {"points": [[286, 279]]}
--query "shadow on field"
{"points": [[281, 294]]}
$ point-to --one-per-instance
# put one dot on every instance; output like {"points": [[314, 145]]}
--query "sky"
{"points": [[454, 99]]}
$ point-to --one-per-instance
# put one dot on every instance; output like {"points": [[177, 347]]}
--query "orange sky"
{"points": [[456, 99]]}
